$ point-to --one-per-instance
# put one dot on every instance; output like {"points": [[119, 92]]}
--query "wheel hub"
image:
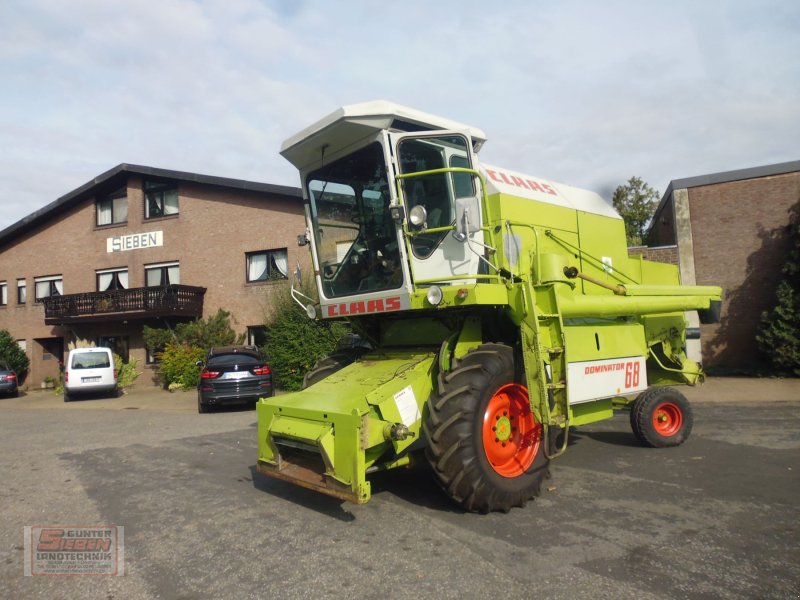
{"points": [[667, 419], [511, 435], [503, 429]]}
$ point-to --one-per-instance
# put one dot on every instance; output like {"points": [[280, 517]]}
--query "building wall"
{"points": [[661, 254], [739, 240], [209, 237]]}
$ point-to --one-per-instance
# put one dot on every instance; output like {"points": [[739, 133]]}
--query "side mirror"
{"points": [[199, 363], [468, 217]]}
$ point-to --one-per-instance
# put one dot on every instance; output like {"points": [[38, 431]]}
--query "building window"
{"points": [[160, 199], [23, 345], [257, 336], [267, 265], [162, 274], [118, 345], [48, 286], [3, 293], [112, 279], [113, 208], [22, 291]]}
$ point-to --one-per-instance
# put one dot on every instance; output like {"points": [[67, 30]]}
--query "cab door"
{"points": [[438, 253]]}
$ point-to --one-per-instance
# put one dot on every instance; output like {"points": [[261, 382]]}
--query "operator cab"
{"points": [[392, 204]]}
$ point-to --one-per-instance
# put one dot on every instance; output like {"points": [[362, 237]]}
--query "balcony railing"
{"points": [[171, 300]]}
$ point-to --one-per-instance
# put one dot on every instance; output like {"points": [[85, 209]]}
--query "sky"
{"points": [[582, 92]]}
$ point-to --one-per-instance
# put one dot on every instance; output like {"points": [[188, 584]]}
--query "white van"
{"points": [[89, 370]]}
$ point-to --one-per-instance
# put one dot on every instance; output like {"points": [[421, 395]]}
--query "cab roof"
{"points": [[350, 124]]}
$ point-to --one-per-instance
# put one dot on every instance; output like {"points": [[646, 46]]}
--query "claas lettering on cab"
{"points": [[494, 312]]}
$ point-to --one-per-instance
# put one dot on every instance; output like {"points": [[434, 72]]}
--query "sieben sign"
{"points": [[134, 241]]}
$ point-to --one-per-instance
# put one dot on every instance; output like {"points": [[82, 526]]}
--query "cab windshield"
{"points": [[355, 237]]}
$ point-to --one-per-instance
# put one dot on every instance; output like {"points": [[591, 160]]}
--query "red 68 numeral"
{"points": [[632, 375]]}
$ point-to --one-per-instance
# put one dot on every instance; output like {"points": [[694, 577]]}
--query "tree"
{"points": [[635, 202], [13, 355], [779, 332]]}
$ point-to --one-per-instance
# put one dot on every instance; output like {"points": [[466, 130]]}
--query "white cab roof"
{"points": [[355, 122]]}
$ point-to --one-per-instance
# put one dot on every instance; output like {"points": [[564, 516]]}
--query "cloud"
{"points": [[584, 93]]}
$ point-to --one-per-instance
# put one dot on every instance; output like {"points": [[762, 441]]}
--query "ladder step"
{"points": [[544, 317]]}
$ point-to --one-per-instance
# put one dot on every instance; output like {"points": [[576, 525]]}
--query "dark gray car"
{"points": [[233, 375], [8, 381]]}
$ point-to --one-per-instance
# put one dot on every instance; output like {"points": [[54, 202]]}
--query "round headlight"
{"points": [[418, 216], [311, 311], [434, 295]]}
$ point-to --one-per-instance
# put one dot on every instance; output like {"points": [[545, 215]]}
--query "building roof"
{"points": [[113, 176], [725, 177]]}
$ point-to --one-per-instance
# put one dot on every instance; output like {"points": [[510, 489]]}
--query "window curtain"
{"points": [[281, 260], [59, 287], [171, 202], [4, 294], [104, 281], [122, 277], [42, 289], [104, 213], [257, 269], [120, 210], [173, 275], [153, 277]]}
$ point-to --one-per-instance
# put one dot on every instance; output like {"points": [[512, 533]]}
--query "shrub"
{"points": [[126, 371], [295, 342], [13, 355], [178, 365], [180, 348], [214, 331], [779, 332]]}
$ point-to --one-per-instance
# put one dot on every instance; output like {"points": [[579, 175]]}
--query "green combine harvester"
{"points": [[494, 311]]}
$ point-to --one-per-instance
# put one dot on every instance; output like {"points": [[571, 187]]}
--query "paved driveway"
{"points": [[715, 518]]}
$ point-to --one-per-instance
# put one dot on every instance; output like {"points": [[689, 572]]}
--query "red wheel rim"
{"points": [[511, 435], [667, 419]]}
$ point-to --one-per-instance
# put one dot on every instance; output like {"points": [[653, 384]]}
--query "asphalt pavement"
{"points": [[718, 517]]}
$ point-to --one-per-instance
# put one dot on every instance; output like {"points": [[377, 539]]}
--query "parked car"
{"points": [[8, 381], [233, 375], [89, 371]]}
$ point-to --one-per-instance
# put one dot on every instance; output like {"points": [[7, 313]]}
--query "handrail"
{"points": [[175, 298]]}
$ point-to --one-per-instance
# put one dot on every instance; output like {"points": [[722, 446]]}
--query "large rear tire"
{"points": [[661, 417], [484, 443]]}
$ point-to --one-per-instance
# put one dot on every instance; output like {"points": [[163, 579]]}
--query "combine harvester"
{"points": [[495, 311]]}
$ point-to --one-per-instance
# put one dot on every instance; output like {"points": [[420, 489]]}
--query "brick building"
{"points": [[729, 229], [144, 246]]}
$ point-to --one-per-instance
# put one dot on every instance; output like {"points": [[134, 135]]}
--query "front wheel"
{"points": [[484, 444], [661, 417]]}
